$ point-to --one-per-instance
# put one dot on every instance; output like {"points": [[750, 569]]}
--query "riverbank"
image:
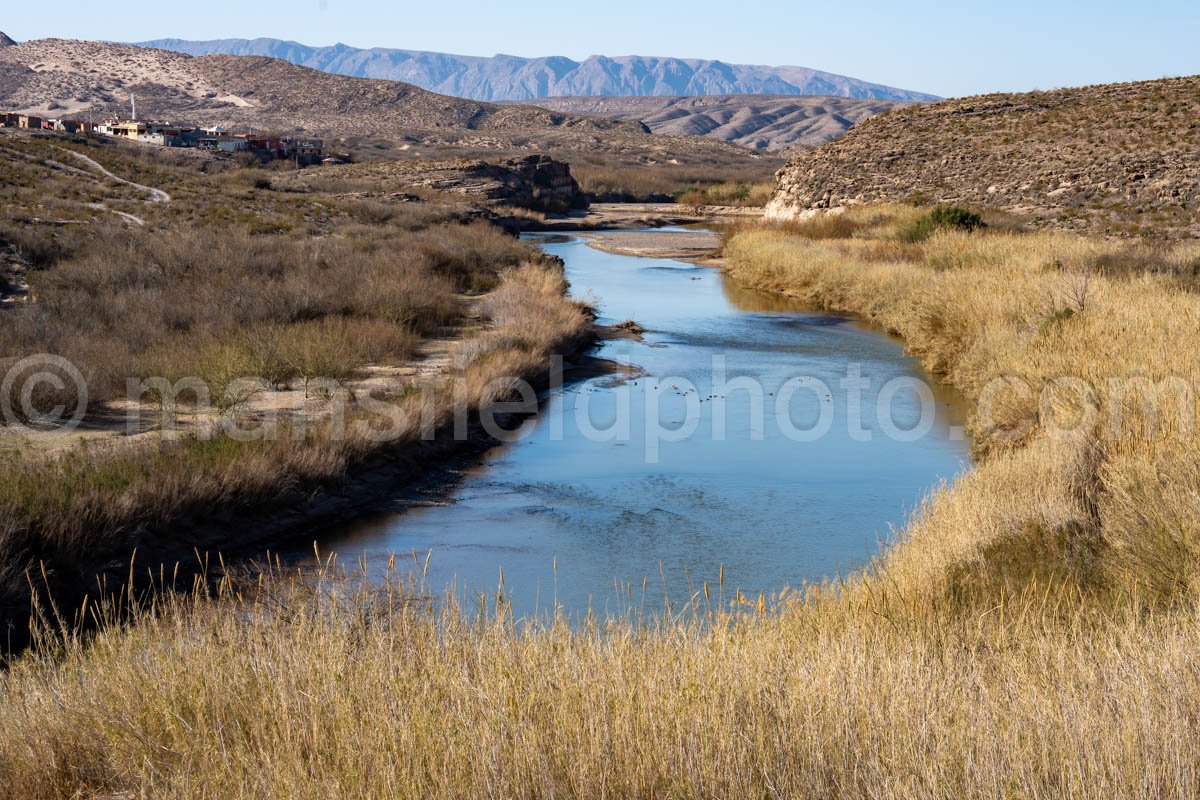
{"points": [[172, 499], [670, 476], [1033, 635], [632, 216], [1070, 348], [216, 374]]}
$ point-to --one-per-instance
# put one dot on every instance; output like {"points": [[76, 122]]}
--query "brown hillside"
{"points": [[60, 77], [762, 122], [1118, 159]]}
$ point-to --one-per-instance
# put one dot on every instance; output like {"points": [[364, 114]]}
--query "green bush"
{"points": [[955, 217]]}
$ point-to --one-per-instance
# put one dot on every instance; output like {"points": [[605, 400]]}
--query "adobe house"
{"points": [[73, 126]]}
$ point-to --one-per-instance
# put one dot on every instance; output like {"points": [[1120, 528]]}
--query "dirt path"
{"points": [[156, 195], [134, 424], [131, 218]]}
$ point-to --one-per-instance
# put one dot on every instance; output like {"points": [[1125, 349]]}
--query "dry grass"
{"points": [[1033, 634], [224, 284], [1049, 310], [664, 183], [727, 194], [332, 693], [76, 512]]}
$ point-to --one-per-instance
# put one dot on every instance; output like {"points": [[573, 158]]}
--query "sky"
{"points": [[945, 48]]}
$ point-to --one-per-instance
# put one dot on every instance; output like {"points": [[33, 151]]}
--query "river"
{"points": [[758, 439]]}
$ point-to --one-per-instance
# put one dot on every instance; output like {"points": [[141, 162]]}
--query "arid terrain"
{"points": [[761, 122], [59, 77], [135, 262], [260, 352], [1118, 158]]}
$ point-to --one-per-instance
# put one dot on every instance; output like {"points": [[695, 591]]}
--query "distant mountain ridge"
{"points": [[511, 78], [65, 78]]}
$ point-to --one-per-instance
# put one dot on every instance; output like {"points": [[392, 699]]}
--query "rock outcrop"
{"points": [[1118, 159], [544, 184], [6, 41]]}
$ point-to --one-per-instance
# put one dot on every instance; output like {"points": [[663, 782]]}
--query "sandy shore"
{"points": [[699, 247], [624, 216]]}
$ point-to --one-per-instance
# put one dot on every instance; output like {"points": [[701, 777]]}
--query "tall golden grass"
{"points": [[1023, 322], [727, 194], [65, 519], [1033, 634], [228, 283]]}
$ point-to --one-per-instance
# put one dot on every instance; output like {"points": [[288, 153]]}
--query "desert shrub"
{"points": [[665, 183], [137, 304], [956, 217], [858, 223], [827, 225], [942, 217], [473, 258], [738, 193], [39, 246], [1181, 262]]}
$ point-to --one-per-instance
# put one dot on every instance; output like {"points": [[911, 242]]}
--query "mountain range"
{"points": [[504, 78], [64, 77]]}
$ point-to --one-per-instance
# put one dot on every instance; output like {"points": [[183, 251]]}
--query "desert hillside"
{"points": [[71, 76], [57, 77], [762, 122], [1116, 159]]}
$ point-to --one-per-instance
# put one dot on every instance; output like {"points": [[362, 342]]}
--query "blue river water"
{"points": [[753, 437]]}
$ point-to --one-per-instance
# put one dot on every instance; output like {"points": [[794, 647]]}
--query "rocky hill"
{"points": [[510, 78], [70, 76], [5, 41], [60, 77], [762, 122], [1117, 158]]}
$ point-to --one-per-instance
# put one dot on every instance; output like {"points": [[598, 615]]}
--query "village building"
{"points": [[73, 126], [213, 138]]}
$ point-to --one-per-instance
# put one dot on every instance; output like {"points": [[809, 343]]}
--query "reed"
{"points": [[1032, 633]]}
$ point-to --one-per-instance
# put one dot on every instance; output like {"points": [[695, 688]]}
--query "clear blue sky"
{"points": [[948, 48]]}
